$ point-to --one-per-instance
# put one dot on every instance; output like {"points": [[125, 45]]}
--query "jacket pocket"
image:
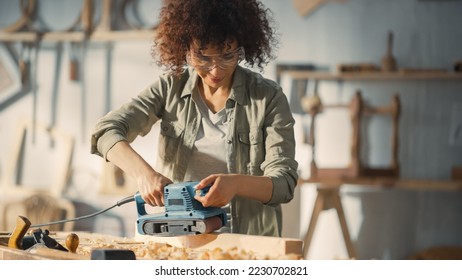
{"points": [[252, 151], [169, 141]]}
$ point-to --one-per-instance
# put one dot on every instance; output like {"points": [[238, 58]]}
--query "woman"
{"points": [[220, 124]]}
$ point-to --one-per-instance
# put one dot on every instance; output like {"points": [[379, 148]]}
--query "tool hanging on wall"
{"points": [[33, 83], [311, 105], [77, 62], [35, 24], [83, 94], [77, 53], [24, 63], [74, 62], [7, 73], [104, 25], [108, 88], [85, 24], [388, 60], [55, 90]]}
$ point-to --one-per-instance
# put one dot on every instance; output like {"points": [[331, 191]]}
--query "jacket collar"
{"points": [[238, 81]]}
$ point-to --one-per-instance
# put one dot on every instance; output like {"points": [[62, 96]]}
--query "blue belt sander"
{"points": [[183, 214]]}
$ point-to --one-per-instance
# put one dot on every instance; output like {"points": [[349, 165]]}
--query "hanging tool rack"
{"points": [[103, 21], [84, 28]]}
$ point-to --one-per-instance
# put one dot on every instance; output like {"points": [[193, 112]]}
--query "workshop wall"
{"points": [[384, 223]]}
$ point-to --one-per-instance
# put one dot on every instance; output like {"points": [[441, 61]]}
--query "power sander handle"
{"points": [[140, 204]]}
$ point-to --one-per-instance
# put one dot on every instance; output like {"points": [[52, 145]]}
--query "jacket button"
{"points": [[229, 141]]}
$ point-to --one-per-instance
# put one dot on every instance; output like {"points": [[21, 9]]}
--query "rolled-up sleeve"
{"points": [[280, 164], [127, 122], [102, 141]]}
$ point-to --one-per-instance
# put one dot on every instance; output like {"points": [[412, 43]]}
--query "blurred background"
{"points": [[64, 64]]}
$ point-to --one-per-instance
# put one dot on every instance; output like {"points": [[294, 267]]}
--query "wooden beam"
{"points": [[76, 36], [305, 7], [389, 182]]}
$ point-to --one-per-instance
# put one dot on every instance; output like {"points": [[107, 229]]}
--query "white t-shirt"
{"points": [[209, 151]]}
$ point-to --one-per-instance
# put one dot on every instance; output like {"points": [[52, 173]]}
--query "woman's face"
{"points": [[215, 64]]}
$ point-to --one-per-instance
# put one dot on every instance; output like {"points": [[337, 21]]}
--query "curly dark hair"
{"points": [[213, 22]]}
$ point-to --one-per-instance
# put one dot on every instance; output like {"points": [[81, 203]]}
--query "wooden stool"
{"points": [[327, 198], [356, 168]]}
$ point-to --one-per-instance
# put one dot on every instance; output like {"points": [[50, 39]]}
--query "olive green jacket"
{"points": [[260, 138]]}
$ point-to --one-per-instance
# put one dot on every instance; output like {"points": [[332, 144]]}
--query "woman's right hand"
{"points": [[151, 187], [150, 183]]}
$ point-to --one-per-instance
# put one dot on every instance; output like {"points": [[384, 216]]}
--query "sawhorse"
{"points": [[327, 198]]}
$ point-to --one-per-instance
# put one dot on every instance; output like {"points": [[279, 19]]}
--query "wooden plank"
{"points": [[57, 254], [18, 36], [122, 35], [264, 245], [7, 253]]}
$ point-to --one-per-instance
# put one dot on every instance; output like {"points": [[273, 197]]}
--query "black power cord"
{"points": [[118, 203]]}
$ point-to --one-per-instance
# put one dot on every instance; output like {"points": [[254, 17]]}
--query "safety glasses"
{"points": [[209, 62]]}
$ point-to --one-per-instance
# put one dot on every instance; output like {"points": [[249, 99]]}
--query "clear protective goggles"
{"points": [[209, 62]]}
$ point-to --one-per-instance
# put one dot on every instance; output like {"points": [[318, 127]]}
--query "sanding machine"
{"points": [[183, 214]]}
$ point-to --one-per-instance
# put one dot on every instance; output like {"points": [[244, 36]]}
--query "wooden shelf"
{"points": [[376, 75], [390, 182], [76, 36]]}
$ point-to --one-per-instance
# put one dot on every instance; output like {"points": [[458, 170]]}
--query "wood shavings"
{"points": [[162, 251]]}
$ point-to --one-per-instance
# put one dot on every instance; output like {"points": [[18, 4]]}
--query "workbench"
{"points": [[204, 246]]}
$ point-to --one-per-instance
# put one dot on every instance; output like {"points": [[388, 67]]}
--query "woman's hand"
{"points": [[223, 189], [151, 186], [150, 183]]}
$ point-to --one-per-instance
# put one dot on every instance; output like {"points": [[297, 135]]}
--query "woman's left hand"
{"points": [[223, 189]]}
